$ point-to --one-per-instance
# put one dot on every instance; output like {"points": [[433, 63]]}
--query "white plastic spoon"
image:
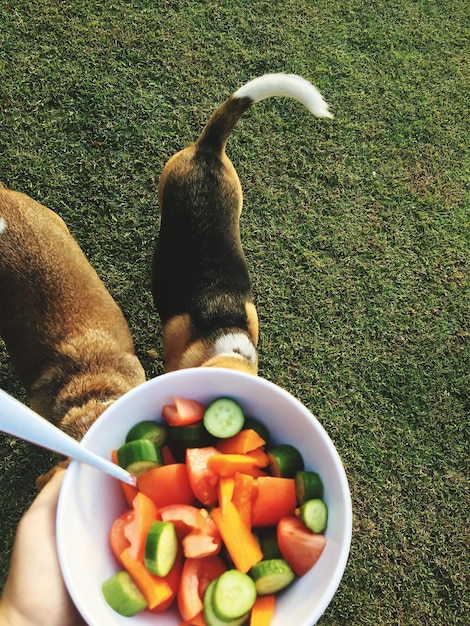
{"points": [[20, 421]]}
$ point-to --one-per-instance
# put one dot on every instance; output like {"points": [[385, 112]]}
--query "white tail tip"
{"points": [[288, 85]]}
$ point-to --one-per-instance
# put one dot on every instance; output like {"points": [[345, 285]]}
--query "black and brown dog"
{"points": [[200, 280], [66, 336]]}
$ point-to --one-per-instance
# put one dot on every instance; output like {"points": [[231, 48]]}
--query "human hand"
{"points": [[35, 593]]}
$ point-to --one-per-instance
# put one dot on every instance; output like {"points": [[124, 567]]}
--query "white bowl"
{"points": [[90, 500]]}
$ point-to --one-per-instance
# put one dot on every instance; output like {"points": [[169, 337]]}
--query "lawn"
{"points": [[357, 234]]}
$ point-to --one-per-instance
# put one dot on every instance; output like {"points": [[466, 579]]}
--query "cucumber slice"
{"points": [[122, 595], [148, 429], [233, 596], [224, 418], [308, 486], [285, 461], [192, 436], [314, 514], [210, 617], [161, 547], [259, 427], [267, 540], [139, 456], [271, 576]]}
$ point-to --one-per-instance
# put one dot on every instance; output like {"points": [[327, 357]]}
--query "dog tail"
{"points": [[217, 130]]}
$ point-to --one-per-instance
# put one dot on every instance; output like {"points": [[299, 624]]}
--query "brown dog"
{"points": [[200, 280], [66, 337]]}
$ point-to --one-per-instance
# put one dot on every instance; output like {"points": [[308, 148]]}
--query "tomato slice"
{"points": [[298, 545], [168, 484], [274, 498], [203, 479], [136, 530], [183, 412], [195, 577], [197, 620], [117, 539], [200, 536]]}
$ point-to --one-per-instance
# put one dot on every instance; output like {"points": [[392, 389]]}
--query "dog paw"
{"points": [[41, 481]]}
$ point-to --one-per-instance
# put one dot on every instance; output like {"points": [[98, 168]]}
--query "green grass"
{"points": [[356, 232]]}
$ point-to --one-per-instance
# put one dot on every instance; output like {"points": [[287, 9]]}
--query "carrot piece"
{"points": [[129, 491], [155, 589], [274, 498], [136, 530], [262, 459], [229, 464], [263, 610], [243, 496], [239, 541], [168, 484], [241, 443], [173, 579], [256, 472], [226, 487]]}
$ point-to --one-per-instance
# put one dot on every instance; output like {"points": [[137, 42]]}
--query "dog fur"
{"points": [[66, 336], [200, 281]]}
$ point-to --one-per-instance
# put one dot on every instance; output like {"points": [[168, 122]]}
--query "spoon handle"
{"points": [[20, 421]]}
